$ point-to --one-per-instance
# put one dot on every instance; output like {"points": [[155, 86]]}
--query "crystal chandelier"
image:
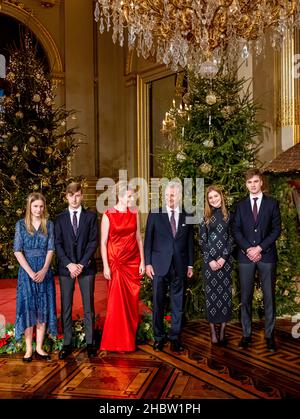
{"points": [[197, 34]]}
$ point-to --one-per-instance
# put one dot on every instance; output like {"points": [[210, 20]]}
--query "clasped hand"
{"points": [[215, 265], [39, 276], [75, 269], [254, 253]]}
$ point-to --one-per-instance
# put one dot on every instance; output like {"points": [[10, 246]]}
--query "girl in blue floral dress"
{"points": [[33, 248]]}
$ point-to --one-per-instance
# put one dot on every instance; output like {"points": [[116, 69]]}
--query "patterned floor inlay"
{"points": [[203, 371]]}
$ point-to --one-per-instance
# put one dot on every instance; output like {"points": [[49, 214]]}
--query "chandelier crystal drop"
{"points": [[197, 34]]}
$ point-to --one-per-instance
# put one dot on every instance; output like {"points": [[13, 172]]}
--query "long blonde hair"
{"points": [[208, 210], [35, 196]]}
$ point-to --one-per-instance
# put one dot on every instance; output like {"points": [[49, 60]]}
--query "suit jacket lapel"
{"points": [[180, 222], [81, 222], [67, 222], [166, 221], [261, 208]]}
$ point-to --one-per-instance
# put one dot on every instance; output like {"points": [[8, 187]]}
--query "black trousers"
{"points": [[266, 273], [87, 287], [160, 285]]}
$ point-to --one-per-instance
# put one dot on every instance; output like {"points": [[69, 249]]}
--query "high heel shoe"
{"points": [[43, 357]]}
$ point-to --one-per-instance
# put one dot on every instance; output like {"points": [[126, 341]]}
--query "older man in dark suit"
{"points": [[76, 240], [169, 261], [256, 227]]}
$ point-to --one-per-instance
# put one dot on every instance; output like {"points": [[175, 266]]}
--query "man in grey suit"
{"points": [[76, 240], [256, 227]]}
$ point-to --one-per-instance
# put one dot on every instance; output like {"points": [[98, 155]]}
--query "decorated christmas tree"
{"points": [[214, 134], [36, 145]]}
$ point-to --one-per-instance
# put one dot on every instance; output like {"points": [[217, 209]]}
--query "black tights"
{"points": [[214, 333]]}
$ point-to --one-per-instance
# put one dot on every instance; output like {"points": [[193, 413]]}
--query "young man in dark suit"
{"points": [[256, 227], [169, 261], [76, 240]]}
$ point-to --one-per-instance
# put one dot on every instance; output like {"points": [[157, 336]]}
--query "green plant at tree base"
{"points": [[9, 345]]}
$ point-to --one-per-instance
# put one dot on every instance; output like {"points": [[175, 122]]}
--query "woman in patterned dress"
{"points": [[33, 249], [216, 245]]}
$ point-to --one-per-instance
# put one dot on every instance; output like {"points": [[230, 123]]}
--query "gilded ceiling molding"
{"points": [[28, 19]]}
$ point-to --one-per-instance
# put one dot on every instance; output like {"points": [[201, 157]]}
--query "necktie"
{"points": [[173, 223], [74, 223], [254, 209]]}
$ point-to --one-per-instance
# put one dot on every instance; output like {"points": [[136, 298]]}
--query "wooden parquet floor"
{"points": [[202, 372]]}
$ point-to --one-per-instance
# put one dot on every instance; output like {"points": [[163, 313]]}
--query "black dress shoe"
{"points": [[43, 357], [223, 342], [66, 351], [91, 351], [28, 359], [176, 346], [245, 342], [271, 344], [158, 345]]}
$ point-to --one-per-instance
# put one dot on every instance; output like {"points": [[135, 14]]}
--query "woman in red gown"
{"points": [[123, 266]]}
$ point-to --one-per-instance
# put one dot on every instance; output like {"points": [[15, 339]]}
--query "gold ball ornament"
{"points": [[36, 98], [227, 111], [15, 148], [211, 99], [18, 95], [10, 76], [19, 114], [13, 178], [34, 128], [8, 101], [48, 150], [46, 170], [208, 143], [4, 136], [205, 168], [19, 212], [6, 202], [45, 183], [32, 140], [4, 229], [36, 187], [181, 156], [45, 131], [48, 101]]}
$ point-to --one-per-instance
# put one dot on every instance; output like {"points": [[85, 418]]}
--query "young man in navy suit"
{"points": [[76, 240], [256, 227], [169, 261]]}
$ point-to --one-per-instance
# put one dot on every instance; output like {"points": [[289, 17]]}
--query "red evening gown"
{"points": [[123, 255]]}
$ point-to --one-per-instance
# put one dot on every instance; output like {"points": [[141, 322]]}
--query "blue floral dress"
{"points": [[35, 301]]}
